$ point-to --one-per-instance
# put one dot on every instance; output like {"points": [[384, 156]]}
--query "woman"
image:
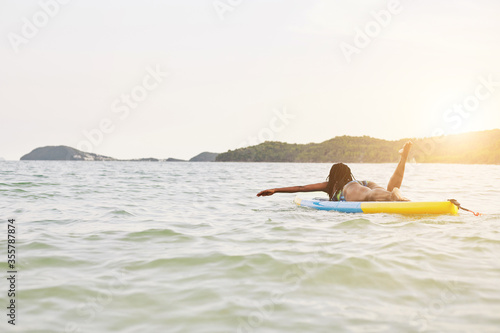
{"points": [[342, 186]]}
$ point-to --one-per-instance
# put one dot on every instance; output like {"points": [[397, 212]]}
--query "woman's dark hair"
{"points": [[340, 174]]}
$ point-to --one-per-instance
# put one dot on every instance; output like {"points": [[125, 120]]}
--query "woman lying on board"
{"points": [[342, 186]]}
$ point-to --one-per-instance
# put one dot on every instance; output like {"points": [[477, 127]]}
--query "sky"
{"points": [[174, 78]]}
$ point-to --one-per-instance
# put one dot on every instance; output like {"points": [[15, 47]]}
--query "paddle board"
{"points": [[370, 207]]}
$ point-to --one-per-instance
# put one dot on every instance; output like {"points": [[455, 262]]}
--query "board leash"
{"points": [[456, 203]]}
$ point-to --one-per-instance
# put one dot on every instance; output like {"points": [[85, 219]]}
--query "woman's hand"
{"points": [[266, 193]]}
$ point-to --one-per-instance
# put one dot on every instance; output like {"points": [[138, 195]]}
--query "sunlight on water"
{"points": [[187, 247]]}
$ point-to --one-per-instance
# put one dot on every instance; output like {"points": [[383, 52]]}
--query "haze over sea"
{"points": [[188, 247]]}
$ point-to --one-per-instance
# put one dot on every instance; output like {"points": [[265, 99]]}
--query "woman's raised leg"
{"points": [[397, 177]]}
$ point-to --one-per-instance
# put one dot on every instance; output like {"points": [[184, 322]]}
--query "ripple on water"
{"points": [[356, 223], [156, 234], [38, 245], [55, 261], [120, 212]]}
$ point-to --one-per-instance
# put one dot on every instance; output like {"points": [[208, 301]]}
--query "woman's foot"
{"points": [[397, 196], [406, 149]]}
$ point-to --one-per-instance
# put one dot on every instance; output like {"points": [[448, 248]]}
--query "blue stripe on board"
{"points": [[339, 206]]}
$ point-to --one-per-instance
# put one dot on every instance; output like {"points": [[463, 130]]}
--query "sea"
{"points": [[188, 247]]}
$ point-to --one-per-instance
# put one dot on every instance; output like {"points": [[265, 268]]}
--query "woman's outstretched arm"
{"points": [[293, 189]]}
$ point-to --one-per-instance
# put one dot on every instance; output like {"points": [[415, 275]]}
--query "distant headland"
{"points": [[65, 153], [469, 148]]}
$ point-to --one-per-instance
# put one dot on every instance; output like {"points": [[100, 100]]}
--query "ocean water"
{"points": [[188, 247]]}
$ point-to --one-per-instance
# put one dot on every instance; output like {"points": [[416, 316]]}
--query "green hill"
{"points": [[63, 153], [469, 148], [204, 157]]}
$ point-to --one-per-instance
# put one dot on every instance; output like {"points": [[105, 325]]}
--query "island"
{"points": [[65, 153], [204, 157], [468, 148]]}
